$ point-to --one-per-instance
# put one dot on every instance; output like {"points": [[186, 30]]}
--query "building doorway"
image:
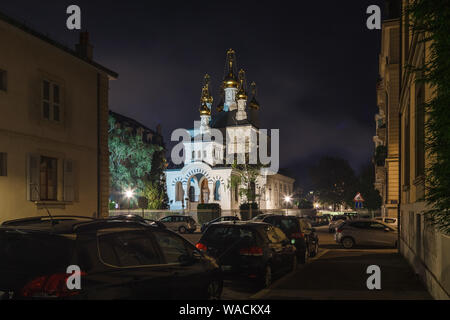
{"points": [[204, 193]]}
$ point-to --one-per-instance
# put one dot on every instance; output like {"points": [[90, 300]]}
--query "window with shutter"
{"points": [[33, 185]]}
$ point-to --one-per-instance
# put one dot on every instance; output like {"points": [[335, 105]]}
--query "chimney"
{"points": [[84, 48]]}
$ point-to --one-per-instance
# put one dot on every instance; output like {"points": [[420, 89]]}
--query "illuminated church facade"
{"points": [[204, 176]]}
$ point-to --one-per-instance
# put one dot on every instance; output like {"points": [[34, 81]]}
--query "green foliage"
{"points": [[244, 178], [305, 204], [136, 165], [156, 195], [334, 181], [431, 20], [366, 182]]}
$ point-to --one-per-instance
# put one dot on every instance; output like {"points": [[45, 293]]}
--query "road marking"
{"points": [[260, 294]]}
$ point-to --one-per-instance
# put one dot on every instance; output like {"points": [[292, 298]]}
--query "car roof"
{"points": [[69, 224], [249, 223]]}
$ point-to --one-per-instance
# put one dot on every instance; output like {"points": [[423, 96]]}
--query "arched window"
{"points": [[191, 194], [179, 192], [217, 191], [193, 155]]}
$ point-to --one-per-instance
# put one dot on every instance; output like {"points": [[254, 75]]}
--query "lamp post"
{"points": [[287, 200], [129, 194]]}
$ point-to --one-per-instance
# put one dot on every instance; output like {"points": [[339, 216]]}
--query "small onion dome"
{"points": [[206, 96], [242, 95], [254, 104], [204, 110]]}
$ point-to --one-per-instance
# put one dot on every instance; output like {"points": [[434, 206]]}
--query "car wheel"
{"points": [[348, 243], [215, 289], [182, 229], [304, 256], [294, 263], [266, 279], [315, 251]]}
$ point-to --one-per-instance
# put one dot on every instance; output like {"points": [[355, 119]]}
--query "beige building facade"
{"points": [[386, 140], [53, 126], [427, 250]]}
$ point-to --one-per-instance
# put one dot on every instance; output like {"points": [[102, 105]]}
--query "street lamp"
{"points": [[288, 200], [129, 194]]}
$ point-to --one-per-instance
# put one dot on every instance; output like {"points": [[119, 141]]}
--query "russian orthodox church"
{"points": [[204, 177]]}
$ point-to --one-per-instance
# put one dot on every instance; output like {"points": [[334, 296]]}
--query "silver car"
{"points": [[182, 224], [366, 232]]}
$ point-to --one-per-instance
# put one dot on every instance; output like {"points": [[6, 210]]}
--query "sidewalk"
{"points": [[341, 275]]}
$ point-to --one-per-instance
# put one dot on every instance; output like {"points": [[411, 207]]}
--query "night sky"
{"points": [[315, 64]]}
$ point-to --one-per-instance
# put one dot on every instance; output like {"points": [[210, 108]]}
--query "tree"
{"points": [[431, 21], [334, 181], [366, 188], [156, 195], [244, 178], [130, 160]]}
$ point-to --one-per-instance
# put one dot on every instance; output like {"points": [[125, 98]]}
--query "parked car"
{"points": [[249, 250], [220, 219], [366, 232], [118, 259], [300, 233], [182, 224], [392, 222], [335, 220]]}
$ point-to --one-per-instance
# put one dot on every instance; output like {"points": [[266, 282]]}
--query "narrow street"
{"points": [[336, 274]]}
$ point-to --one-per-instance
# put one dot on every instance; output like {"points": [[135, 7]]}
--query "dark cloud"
{"points": [[315, 63]]}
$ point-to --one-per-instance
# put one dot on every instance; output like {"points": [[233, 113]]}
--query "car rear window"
{"points": [[287, 225], [227, 234], [32, 250]]}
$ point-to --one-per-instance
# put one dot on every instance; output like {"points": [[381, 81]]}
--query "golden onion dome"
{"points": [[230, 80], [242, 95], [204, 110], [254, 103]]}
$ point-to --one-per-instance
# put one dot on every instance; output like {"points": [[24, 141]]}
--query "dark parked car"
{"points": [[220, 219], [299, 231], [118, 259], [249, 250]]}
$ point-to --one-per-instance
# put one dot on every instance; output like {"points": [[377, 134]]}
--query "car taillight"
{"points": [[339, 230], [201, 247], [252, 251], [54, 285], [297, 235]]}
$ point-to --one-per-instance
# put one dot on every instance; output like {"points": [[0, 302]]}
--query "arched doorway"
{"points": [[204, 191]]}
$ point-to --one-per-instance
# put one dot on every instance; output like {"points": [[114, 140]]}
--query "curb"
{"points": [[260, 294]]}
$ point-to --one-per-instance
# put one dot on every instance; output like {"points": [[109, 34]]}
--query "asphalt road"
{"points": [[336, 273]]}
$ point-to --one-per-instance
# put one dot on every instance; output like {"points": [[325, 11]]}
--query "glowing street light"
{"points": [[288, 200], [129, 194]]}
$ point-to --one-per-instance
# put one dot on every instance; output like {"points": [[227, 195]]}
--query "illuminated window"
{"points": [[51, 101], [48, 178]]}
